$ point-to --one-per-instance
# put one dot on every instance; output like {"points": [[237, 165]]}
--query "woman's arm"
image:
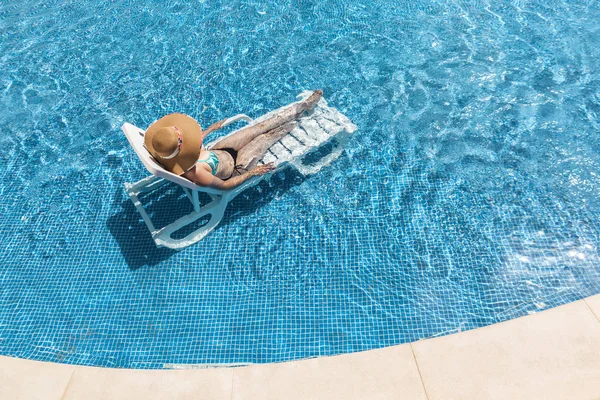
{"points": [[202, 177], [212, 128]]}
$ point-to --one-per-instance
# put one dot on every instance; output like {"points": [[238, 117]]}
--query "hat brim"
{"points": [[191, 136]]}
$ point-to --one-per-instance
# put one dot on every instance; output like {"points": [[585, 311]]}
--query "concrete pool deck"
{"points": [[554, 354]]}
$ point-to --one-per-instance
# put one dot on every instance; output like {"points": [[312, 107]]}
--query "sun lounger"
{"points": [[321, 125]]}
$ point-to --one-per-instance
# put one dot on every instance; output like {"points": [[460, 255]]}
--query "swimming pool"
{"points": [[468, 196]]}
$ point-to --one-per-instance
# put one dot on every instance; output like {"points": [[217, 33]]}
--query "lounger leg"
{"points": [[215, 209], [193, 196], [195, 201]]}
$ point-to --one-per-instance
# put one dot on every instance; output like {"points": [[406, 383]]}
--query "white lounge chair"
{"points": [[322, 124]]}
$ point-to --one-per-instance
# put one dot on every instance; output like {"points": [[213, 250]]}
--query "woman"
{"points": [[175, 141]]}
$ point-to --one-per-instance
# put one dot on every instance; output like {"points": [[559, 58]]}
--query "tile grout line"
{"points": [[419, 371], [67, 385], [592, 311]]}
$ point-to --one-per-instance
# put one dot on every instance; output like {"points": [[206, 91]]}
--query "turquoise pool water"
{"points": [[468, 196]]}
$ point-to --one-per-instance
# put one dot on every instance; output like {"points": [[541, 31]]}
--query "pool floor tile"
{"points": [[389, 373], [550, 355], [26, 379], [105, 383]]}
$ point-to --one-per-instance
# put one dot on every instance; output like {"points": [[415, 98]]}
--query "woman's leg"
{"points": [[246, 135], [249, 155]]}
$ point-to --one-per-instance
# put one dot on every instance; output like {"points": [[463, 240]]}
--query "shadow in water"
{"points": [[169, 203], [133, 237]]}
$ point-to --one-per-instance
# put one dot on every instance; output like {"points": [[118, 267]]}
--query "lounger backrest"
{"points": [[135, 136]]}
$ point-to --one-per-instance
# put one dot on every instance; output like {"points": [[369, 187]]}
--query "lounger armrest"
{"points": [[236, 118]]}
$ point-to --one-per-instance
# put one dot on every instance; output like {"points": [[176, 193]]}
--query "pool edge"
{"points": [[551, 354]]}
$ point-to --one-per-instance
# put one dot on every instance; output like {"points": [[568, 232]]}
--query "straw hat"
{"points": [[174, 141]]}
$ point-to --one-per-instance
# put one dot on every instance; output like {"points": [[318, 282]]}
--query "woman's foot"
{"points": [[313, 99]]}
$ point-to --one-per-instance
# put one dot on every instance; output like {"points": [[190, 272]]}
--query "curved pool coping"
{"points": [[554, 354]]}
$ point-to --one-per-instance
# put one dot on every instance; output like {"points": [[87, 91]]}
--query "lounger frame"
{"points": [[310, 135]]}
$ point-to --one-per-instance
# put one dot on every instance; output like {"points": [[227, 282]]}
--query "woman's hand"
{"points": [[262, 169]]}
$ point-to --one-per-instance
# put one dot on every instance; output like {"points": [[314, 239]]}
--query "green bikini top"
{"points": [[212, 161]]}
